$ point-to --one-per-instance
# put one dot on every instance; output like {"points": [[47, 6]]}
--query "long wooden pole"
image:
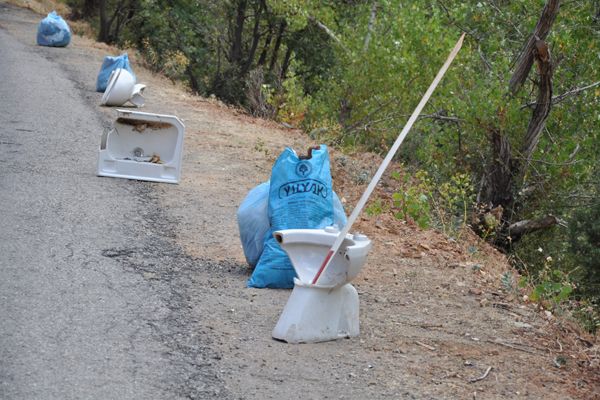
{"points": [[363, 200]]}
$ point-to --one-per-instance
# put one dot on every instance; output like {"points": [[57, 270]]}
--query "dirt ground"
{"points": [[435, 320]]}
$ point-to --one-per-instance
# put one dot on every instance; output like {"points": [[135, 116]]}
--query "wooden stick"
{"points": [[363, 200], [509, 345], [482, 377], [425, 345]]}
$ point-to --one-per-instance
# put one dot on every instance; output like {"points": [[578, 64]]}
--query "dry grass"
{"points": [[42, 6]]}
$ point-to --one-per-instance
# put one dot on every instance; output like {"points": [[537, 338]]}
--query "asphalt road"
{"points": [[81, 316]]}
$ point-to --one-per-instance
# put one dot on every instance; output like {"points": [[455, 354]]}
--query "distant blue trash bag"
{"points": [[53, 31], [300, 196], [109, 65], [253, 221]]}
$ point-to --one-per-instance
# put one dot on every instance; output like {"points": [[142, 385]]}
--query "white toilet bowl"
{"points": [[121, 88], [330, 309]]}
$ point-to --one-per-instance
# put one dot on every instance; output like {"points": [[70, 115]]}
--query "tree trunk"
{"points": [[544, 100], [104, 27], [263, 55], [505, 173], [277, 45], [194, 85], [345, 112], [235, 54], [286, 63], [501, 172], [255, 38], [107, 34], [526, 58], [89, 8]]}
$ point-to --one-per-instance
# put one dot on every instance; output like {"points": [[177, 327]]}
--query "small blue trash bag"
{"points": [[53, 31], [253, 221], [300, 196], [108, 66]]}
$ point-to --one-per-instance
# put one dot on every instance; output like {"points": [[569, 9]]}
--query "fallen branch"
{"points": [[482, 377], [526, 226], [504, 306], [425, 345], [511, 346]]}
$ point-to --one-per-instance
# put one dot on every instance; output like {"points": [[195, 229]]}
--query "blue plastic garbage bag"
{"points": [[53, 31], [339, 215], [300, 196], [109, 65], [253, 221]]}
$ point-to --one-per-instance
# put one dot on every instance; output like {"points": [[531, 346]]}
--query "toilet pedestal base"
{"points": [[318, 314]]}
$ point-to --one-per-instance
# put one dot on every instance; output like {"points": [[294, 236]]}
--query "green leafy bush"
{"points": [[412, 200], [444, 205]]}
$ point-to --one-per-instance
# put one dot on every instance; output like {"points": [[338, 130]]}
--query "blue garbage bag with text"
{"points": [[109, 65], [53, 31], [300, 196], [254, 225]]}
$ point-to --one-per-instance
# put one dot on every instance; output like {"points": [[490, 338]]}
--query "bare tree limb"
{"points": [[365, 123], [526, 58], [441, 117], [507, 20], [328, 31], [571, 162], [487, 64], [561, 97], [472, 33]]}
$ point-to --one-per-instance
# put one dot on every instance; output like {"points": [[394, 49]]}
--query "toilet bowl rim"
{"points": [[298, 282], [310, 236]]}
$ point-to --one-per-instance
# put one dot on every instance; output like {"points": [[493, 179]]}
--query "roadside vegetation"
{"points": [[508, 145]]}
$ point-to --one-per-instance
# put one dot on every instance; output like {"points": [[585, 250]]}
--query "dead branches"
{"points": [[526, 226], [506, 172], [561, 97], [482, 377], [544, 99], [526, 58]]}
